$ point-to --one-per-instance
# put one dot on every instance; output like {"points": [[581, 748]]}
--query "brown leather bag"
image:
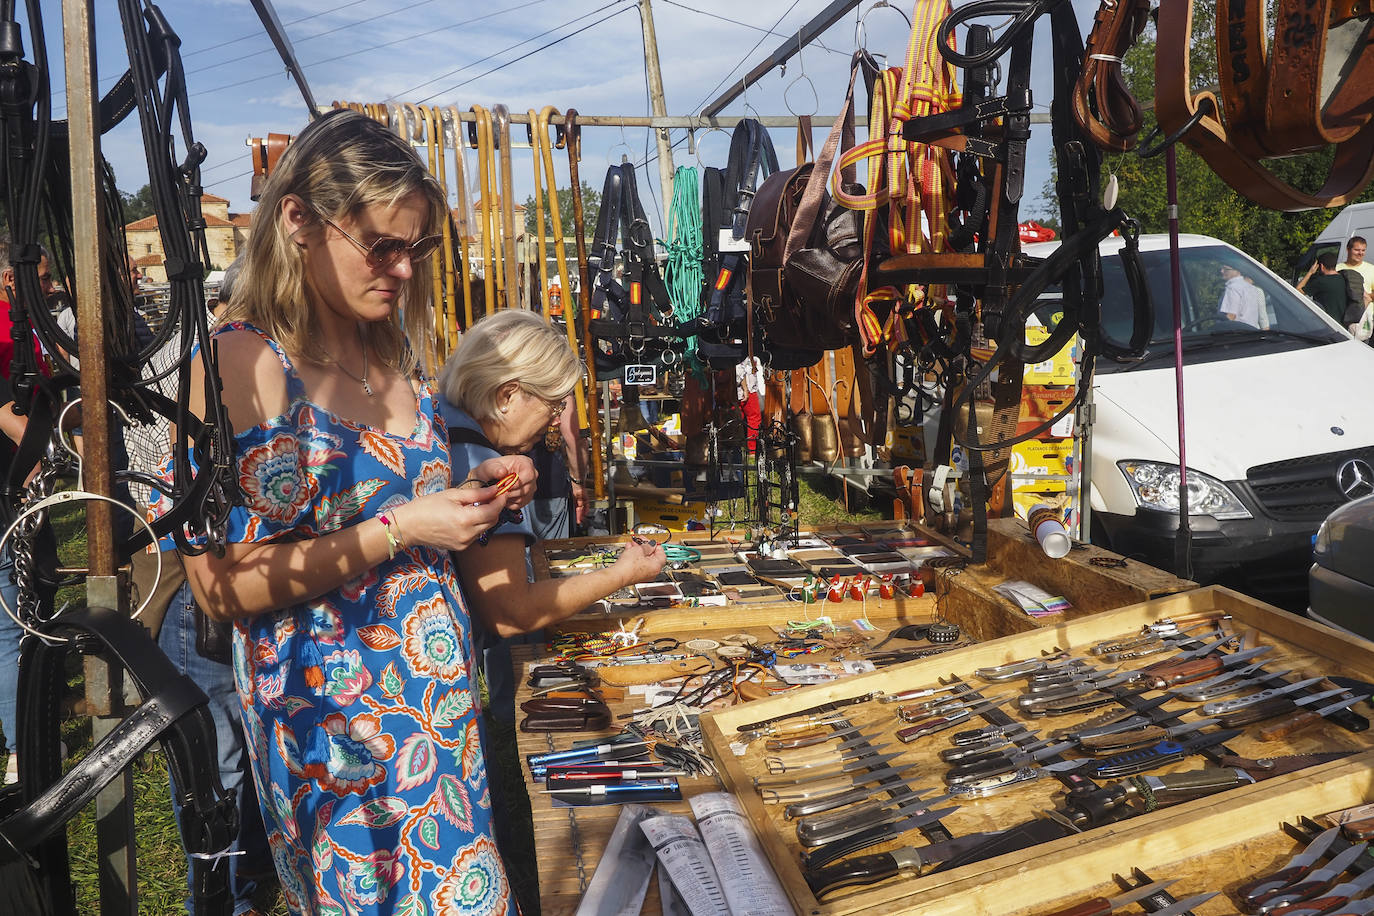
{"points": [[806, 253]]}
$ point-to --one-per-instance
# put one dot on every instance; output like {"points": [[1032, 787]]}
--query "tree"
{"points": [[591, 208], [138, 205], [1207, 205]]}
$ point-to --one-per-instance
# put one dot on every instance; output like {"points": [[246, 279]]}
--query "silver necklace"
{"points": [[362, 380]]}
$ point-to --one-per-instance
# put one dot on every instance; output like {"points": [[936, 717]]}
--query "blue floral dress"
{"points": [[361, 706]]}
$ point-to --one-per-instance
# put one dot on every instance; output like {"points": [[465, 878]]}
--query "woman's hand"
{"points": [[451, 519], [518, 496], [640, 561]]}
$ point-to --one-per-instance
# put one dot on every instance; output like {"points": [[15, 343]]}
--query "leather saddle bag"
{"points": [[807, 254]]}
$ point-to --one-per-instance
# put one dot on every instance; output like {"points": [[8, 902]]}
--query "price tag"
{"points": [[728, 242], [641, 374]]}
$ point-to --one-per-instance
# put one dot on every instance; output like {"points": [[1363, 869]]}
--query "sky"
{"points": [[465, 52]]}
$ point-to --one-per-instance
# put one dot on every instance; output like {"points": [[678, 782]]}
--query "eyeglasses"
{"points": [[555, 407], [387, 250]]}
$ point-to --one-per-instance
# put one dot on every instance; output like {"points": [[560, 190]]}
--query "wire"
{"points": [[543, 47], [745, 57], [756, 28], [330, 60]]}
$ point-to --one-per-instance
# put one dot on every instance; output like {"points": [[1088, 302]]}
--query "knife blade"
{"points": [[874, 807], [820, 856], [940, 723], [829, 788], [1224, 706], [1304, 719], [870, 869], [1077, 689], [1139, 761], [1228, 682], [967, 752], [1316, 883], [819, 774], [812, 834], [1196, 669], [1151, 712], [919, 711], [857, 794], [1106, 745], [1295, 870], [1178, 908], [974, 735], [971, 772], [1105, 906]]}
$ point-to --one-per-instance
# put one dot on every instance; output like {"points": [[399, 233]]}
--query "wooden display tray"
{"points": [[1211, 844], [1299, 645]]}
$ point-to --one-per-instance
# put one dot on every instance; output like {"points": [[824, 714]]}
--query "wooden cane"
{"points": [[572, 135]]}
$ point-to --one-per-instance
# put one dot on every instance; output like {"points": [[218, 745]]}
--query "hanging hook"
{"points": [[861, 29], [625, 142]]}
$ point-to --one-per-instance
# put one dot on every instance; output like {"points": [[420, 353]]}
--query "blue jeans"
{"points": [[178, 641], [9, 654]]}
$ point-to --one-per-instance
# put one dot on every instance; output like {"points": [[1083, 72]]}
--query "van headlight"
{"points": [[1155, 486]]}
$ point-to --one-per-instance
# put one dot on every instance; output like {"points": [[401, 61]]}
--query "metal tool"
{"points": [[1296, 869], [871, 869], [971, 772], [849, 797], [940, 723], [827, 789], [813, 832], [1227, 682], [826, 853], [1318, 888], [833, 758], [803, 775], [1224, 706]]}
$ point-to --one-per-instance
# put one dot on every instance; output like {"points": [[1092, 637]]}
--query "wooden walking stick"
{"points": [[460, 180], [572, 138], [482, 140], [501, 118], [446, 315]]}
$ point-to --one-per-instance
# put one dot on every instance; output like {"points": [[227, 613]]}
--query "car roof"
{"points": [[1114, 243]]}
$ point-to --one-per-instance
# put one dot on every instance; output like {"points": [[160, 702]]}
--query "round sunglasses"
{"points": [[387, 250]]}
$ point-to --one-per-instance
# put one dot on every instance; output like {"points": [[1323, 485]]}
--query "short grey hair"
{"points": [[513, 345]]}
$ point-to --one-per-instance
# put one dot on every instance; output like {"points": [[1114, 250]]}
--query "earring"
{"points": [[505, 409]]}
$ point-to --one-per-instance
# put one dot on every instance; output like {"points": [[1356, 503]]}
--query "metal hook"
{"points": [[815, 97], [625, 142], [702, 142], [861, 30]]}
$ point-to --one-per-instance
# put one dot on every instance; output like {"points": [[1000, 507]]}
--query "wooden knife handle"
{"points": [[1288, 726], [1131, 738], [1356, 831], [1183, 672], [1247, 891]]}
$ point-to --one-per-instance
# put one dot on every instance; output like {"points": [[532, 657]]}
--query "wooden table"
{"points": [[569, 840]]}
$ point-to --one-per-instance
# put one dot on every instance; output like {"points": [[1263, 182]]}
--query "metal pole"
{"points": [[277, 32], [1183, 544], [657, 103], [104, 682]]}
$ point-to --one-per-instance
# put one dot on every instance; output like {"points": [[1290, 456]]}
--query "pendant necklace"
{"points": [[362, 380]]}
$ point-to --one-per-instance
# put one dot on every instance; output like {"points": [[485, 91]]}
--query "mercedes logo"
{"points": [[1355, 478]]}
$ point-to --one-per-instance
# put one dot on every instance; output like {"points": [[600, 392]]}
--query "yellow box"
{"points": [[1042, 457], [1059, 369], [908, 445], [672, 516]]}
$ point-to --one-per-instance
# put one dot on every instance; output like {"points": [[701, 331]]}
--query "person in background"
{"points": [[1241, 300], [1354, 261], [1324, 284], [504, 386], [198, 647], [352, 649], [12, 425]]}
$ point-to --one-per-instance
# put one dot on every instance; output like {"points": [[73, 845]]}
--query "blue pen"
{"points": [[654, 790], [591, 752]]}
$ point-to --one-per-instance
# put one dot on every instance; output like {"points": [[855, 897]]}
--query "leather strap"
{"points": [[175, 713], [1103, 104]]}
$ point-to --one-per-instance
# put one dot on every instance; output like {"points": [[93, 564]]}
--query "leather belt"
{"points": [[1233, 154], [1103, 106]]}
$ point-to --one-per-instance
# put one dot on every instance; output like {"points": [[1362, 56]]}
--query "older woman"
{"points": [[352, 650], [504, 386]]}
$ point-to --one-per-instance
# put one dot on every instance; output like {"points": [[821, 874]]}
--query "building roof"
{"points": [[149, 260], [242, 220], [213, 198], [150, 222]]}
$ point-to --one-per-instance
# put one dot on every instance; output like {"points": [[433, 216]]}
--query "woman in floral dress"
{"points": [[352, 650]]}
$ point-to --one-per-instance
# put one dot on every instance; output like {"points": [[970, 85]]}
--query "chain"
{"points": [[574, 832], [52, 466]]}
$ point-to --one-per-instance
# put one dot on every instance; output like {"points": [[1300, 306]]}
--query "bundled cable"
{"points": [[683, 273]]}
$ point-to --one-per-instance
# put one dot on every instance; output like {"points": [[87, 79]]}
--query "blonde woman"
{"points": [[504, 386], [352, 650]]}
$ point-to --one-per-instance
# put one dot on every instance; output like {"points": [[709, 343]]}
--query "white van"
{"points": [[1278, 419], [1354, 219]]}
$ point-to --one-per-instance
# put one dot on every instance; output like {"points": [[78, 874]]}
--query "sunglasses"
{"points": [[387, 250]]}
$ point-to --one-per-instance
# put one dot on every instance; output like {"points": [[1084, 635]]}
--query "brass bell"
{"points": [[801, 428], [825, 438]]}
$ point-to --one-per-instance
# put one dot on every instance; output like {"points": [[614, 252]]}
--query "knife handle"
{"points": [[1313, 903], [1267, 709], [1097, 906], [928, 727], [806, 740], [1123, 740], [1356, 831], [826, 853], [858, 870], [1194, 669], [1280, 899], [1251, 890], [982, 770], [1288, 726]]}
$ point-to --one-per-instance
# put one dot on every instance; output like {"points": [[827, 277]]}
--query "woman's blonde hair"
{"points": [[509, 346], [340, 164]]}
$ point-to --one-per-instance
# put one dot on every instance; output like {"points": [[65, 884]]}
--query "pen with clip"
{"points": [[620, 793], [609, 751], [581, 776]]}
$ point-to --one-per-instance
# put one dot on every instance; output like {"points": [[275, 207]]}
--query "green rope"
{"points": [[682, 274]]}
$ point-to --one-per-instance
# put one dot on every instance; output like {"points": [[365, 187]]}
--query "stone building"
{"points": [[225, 233]]}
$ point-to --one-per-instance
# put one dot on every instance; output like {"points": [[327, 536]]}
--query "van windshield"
{"points": [[1230, 308]]}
